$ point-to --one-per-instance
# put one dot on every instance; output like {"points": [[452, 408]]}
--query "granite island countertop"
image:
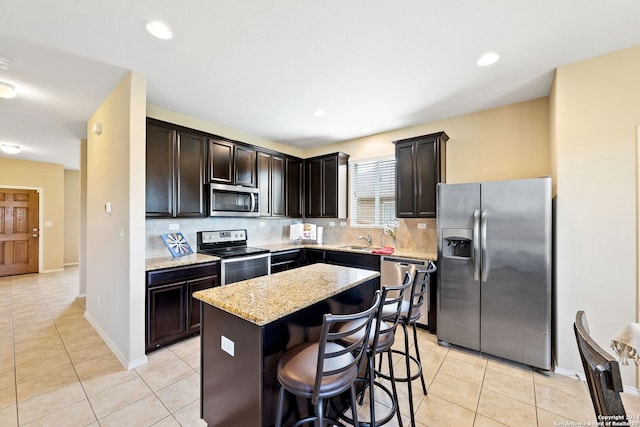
{"points": [[267, 298]]}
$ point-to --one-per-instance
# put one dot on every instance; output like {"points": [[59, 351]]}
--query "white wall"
{"points": [[115, 241], [509, 142], [595, 113]]}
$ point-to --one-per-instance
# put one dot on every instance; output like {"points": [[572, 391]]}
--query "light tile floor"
{"points": [[55, 370]]}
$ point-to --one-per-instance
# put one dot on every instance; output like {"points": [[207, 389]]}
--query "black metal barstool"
{"points": [[381, 339], [326, 368], [410, 313]]}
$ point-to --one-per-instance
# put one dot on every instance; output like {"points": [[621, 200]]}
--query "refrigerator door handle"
{"points": [[476, 245], [483, 245]]}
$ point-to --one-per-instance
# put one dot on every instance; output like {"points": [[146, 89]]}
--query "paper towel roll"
{"points": [[319, 231]]}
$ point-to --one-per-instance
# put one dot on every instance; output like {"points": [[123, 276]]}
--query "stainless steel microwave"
{"points": [[233, 200]]}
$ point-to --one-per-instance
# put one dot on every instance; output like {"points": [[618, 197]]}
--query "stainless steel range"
{"points": [[238, 261]]}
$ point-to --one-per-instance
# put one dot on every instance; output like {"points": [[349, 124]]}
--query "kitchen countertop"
{"points": [[197, 258], [169, 262], [267, 298], [277, 247]]}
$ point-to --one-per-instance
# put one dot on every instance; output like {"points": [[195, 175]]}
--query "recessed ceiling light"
{"points": [[7, 90], [159, 29], [488, 58], [10, 148], [319, 112]]}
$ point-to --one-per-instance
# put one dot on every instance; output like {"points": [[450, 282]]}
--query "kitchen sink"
{"points": [[360, 248]]}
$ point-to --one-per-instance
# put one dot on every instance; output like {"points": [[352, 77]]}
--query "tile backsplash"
{"points": [[413, 234]]}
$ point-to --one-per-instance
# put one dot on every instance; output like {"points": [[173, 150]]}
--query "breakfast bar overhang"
{"points": [[247, 326]]}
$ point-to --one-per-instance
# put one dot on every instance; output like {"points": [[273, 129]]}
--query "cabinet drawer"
{"points": [[366, 261], [176, 274], [284, 256]]}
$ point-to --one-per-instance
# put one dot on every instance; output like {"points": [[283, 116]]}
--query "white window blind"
{"points": [[373, 201]]}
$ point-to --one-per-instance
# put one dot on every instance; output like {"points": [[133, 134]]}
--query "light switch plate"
{"points": [[227, 345], [422, 226], [48, 223]]}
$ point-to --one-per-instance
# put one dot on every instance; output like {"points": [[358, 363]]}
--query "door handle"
{"points": [[476, 245], [483, 244], [253, 202]]}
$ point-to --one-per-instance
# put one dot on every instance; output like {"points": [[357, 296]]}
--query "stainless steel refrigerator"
{"points": [[494, 268]]}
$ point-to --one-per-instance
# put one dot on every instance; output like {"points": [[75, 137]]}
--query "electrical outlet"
{"points": [[343, 223], [227, 345], [263, 224], [174, 227], [422, 226], [332, 223]]}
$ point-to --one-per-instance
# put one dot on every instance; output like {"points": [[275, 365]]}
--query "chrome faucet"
{"points": [[367, 238]]}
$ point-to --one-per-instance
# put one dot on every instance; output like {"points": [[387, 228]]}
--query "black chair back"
{"points": [[602, 372], [390, 311], [333, 356]]}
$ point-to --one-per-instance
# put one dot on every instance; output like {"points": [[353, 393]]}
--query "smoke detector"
{"points": [[4, 64]]}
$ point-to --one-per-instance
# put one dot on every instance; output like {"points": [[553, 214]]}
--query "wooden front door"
{"points": [[18, 231]]}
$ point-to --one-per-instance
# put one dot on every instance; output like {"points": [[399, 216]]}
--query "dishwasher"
{"points": [[392, 272]]}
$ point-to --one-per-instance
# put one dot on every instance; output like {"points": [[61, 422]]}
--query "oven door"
{"points": [[245, 267]]}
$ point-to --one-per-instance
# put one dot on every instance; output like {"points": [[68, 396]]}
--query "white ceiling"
{"points": [[263, 67]]}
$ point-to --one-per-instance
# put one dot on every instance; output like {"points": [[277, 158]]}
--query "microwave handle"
{"points": [[253, 202]]}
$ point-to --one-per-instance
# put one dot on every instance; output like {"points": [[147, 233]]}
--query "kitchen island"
{"points": [[247, 326]]}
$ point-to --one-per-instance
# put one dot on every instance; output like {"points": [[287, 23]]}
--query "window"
{"points": [[373, 190]]}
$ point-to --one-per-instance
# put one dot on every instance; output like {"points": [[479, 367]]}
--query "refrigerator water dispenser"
{"points": [[457, 242]]}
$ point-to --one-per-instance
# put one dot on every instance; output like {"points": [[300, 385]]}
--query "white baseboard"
{"points": [[116, 351], [581, 377], [55, 270], [71, 264]]}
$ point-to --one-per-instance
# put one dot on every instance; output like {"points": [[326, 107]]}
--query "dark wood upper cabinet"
{"points": [[293, 191], [271, 183], [278, 192], [420, 166], [221, 161], [180, 162], [231, 163], [190, 151], [326, 186], [245, 166], [159, 171], [174, 172]]}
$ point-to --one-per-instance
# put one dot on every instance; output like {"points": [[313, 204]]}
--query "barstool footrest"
{"points": [[313, 419], [380, 421], [417, 375]]}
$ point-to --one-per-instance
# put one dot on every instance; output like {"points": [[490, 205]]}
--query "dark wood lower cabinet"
{"points": [[347, 259], [167, 318], [171, 312], [286, 260]]}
